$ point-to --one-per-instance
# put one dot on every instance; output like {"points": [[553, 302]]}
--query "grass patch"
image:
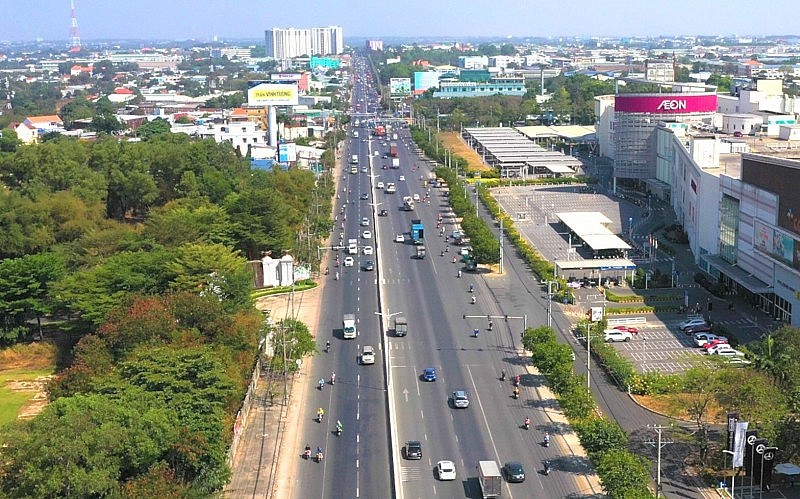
{"points": [[12, 402], [34, 357], [676, 404], [301, 286]]}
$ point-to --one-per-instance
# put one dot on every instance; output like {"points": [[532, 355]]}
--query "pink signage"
{"points": [[666, 103]]}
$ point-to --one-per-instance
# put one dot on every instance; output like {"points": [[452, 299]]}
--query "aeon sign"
{"points": [[665, 103], [672, 104]]}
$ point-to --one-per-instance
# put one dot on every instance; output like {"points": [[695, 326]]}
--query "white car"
{"points": [[365, 222], [614, 335], [348, 261], [399, 238], [367, 250], [701, 339], [718, 348], [415, 197], [380, 185], [367, 355], [691, 322], [730, 352], [446, 470], [403, 179], [366, 234]]}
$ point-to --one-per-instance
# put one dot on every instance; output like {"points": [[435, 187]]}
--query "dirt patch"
{"points": [[452, 142], [34, 356], [675, 405]]}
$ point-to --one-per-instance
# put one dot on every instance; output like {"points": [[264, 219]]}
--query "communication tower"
{"points": [[73, 30]]}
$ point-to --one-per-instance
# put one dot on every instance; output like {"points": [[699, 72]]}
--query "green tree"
{"points": [[599, 435], [624, 475], [508, 49], [9, 140], [76, 109], [213, 270], [298, 341], [151, 128]]}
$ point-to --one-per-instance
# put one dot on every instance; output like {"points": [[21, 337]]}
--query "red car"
{"points": [[713, 343], [629, 329]]}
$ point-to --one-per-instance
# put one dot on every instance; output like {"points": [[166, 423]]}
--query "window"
{"points": [[729, 228]]}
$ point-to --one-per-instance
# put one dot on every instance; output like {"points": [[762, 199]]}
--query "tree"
{"points": [[76, 109], [213, 270], [624, 475], [599, 435], [151, 128], [298, 342], [508, 49], [9, 140]]}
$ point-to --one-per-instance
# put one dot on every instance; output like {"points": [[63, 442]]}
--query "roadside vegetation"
{"points": [[129, 261]]}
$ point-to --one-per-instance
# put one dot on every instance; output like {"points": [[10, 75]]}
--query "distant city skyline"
{"points": [[248, 19]]}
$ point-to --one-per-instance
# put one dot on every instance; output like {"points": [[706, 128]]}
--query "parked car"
{"points": [[715, 342], [701, 339], [691, 322], [446, 470], [614, 335], [429, 374], [629, 329], [698, 328], [460, 400], [729, 352], [367, 355], [413, 449], [718, 348]]}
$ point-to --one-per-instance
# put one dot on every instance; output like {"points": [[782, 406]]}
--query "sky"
{"points": [[23, 20]]}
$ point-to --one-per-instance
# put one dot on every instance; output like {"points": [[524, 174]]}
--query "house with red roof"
{"points": [[33, 127]]}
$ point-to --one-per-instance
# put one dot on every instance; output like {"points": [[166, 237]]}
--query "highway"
{"points": [[428, 292], [355, 463]]}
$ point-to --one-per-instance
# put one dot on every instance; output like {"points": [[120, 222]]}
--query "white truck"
{"points": [[490, 479], [349, 326], [354, 159]]}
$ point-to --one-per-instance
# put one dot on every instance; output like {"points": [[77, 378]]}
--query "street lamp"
{"points": [[733, 475]]}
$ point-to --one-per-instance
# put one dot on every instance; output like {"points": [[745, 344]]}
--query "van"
{"points": [[352, 246], [354, 159], [349, 326]]}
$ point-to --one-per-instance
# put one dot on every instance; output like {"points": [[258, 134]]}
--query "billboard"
{"points": [[400, 86], [266, 93], [287, 152], [781, 177], [665, 103], [764, 235]]}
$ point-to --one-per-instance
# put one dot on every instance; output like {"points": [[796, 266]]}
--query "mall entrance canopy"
{"points": [[594, 269]]}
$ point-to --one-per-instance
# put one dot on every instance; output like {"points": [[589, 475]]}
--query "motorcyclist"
{"points": [[503, 375], [476, 332], [471, 288], [517, 380], [547, 467], [454, 259], [516, 392], [321, 383], [327, 271], [339, 427], [337, 276], [473, 299], [307, 452], [527, 423], [447, 249], [328, 346], [333, 378], [320, 414], [459, 274], [491, 325], [547, 439], [319, 454]]}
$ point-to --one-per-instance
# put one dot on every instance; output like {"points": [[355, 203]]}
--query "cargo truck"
{"points": [[417, 231], [349, 326], [393, 150], [490, 479], [408, 203], [400, 326], [395, 163]]}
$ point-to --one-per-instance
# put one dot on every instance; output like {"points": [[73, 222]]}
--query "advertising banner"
{"points": [[287, 152], [400, 86], [763, 237], [739, 443], [266, 93], [666, 103], [783, 247], [733, 418]]}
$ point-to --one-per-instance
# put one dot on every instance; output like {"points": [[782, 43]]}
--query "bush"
{"points": [[600, 435]]}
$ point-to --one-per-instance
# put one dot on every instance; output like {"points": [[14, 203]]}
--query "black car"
{"points": [[368, 265], [383, 213], [413, 449], [514, 472], [699, 328], [365, 195]]}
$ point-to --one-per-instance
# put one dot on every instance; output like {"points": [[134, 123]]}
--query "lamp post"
{"points": [[735, 472]]}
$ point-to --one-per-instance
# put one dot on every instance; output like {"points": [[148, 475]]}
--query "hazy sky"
{"points": [[201, 19]]}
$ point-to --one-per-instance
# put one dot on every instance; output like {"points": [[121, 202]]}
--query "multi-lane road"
{"points": [[383, 405]]}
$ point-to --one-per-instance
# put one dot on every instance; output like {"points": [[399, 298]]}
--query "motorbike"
{"points": [[516, 393], [491, 325], [527, 424], [319, 457], [472, 300], [307, 453], [475, 333], [321, 384], [338, 430], [459, 274], [320, 416], [471, 289], [547, 467], [503, 375], [327, 346], [333, 379], [516, 380], [546, 442]]}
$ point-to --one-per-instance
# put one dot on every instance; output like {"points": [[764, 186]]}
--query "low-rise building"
{"points": [[33, 127]]}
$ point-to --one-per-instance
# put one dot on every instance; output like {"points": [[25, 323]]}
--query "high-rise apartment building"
{"points": [[286, 43]]}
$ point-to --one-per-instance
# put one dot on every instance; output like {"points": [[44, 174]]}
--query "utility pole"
{"points": [[659, 429], [501, 245], [550, 302]]}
